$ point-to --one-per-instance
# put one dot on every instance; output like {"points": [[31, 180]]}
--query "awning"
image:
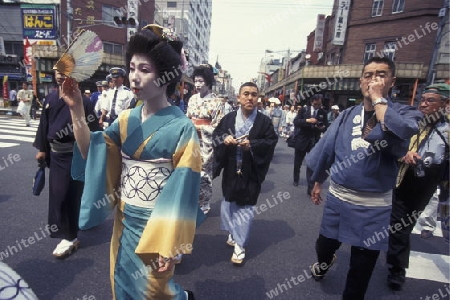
{"points": [[13, 76], [346, 84]]}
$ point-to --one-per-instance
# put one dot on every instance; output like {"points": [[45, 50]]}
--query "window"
{"points": [[112, 48], [369, 52], [108, 14], [377, 8], [171, 4], [398, 6], [389, 50]]}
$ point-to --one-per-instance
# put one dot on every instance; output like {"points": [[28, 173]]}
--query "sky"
{"points": [[241, 31]]}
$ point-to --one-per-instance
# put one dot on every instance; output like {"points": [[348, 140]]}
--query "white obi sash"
{"points": [[142, 181]]}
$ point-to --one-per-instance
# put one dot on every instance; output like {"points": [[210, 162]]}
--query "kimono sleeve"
{"points": [[263, 145], [322, 155], [100, 172], [401, 122], [219, 134]]}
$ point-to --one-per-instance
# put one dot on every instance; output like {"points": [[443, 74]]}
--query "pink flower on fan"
{"points": [[95, 46]]}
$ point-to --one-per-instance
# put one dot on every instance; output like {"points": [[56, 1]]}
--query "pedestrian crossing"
{"points": [[429, 266], [13, 131]]}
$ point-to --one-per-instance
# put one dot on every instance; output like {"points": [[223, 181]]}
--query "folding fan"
{"points": [[82, 57]]}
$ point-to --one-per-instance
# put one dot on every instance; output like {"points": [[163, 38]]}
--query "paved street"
{"points": [[279, 252]]}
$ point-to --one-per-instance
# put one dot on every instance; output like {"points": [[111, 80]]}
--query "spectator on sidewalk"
{"points": [[34, 106], [13, 97], [25, 96]]}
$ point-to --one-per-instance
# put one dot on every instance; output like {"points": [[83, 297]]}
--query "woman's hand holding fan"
{"points": [[71, 93]]}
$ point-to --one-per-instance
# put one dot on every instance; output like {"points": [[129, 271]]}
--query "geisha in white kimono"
{"points": [[149, 171], [205, 111]]}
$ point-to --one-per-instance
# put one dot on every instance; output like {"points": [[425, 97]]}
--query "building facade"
{"points": [[405, 31], [114, 21], [191, 20]]}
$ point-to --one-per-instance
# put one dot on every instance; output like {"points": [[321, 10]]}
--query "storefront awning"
{"points": [[13, 76], [346, 84]]}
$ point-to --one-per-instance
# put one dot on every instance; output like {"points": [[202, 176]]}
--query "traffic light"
{"points": [[124, 21]]}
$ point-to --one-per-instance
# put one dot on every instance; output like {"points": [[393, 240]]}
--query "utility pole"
{"points": [[69, 21], [432, 67]]}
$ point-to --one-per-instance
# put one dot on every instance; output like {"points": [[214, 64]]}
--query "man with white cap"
{"points": [[117, 98], [95, 95], [102, 98], [333, 114]]}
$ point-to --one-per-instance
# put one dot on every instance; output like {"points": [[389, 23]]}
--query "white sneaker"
{"points": [[205, 208], [230, 241], [238, 255], [65, 248]]}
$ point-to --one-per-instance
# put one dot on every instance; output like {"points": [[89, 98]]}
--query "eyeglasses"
{"points": [[429, 100]]}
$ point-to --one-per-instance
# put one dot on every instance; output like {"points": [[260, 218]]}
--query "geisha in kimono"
{"points": [[202, 108], [146, 165]]}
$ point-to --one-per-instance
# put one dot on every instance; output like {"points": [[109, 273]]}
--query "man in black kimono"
{"points": [[309, 124], [244, 143], [55, 141]]}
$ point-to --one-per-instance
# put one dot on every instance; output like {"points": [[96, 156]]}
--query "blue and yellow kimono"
{"points": [[151, 172]]}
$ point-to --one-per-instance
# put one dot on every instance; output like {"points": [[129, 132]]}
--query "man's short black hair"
{"points": [[249, 83], [316, 97], [382, 60]]}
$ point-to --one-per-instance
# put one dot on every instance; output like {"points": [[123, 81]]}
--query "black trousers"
{"points": [[408, 201], [362, 263], [64, 197], [298, 160]]}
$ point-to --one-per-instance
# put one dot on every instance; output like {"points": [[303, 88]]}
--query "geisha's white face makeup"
{"points": [[201, 86], [144, 81]]}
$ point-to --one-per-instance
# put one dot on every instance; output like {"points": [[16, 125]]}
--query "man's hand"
{"points": [[315, 194], [229, 140], [245, 145], [410, 158], [311, 120], [375, 88], [40, 156]]}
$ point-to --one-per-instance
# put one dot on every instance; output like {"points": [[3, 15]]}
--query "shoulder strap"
{"points": [[442, 137]]}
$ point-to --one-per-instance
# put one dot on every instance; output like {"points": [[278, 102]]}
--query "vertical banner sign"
{"points": [[2, 47], [5, 87], [27, 56], [132, 13], [39, 28], [340, 25], [318, 36]]}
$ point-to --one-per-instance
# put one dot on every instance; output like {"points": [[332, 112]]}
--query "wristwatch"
{"points": [[379, 101]]}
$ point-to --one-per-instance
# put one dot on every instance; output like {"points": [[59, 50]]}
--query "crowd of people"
{"points": [[180, 150]]}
